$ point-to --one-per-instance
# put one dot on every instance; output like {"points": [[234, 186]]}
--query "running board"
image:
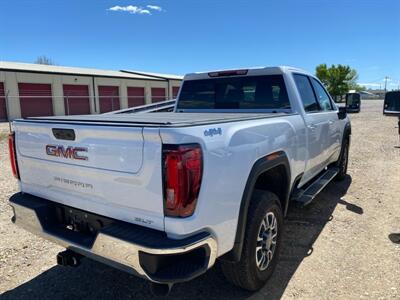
{"points": [[305, 197]]}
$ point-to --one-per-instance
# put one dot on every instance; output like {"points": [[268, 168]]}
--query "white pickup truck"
{"points": [[163, 195]]}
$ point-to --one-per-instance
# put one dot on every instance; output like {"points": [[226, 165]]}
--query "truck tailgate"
{"points": [[108, 170]]}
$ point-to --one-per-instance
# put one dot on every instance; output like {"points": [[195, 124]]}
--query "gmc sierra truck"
{"points": [[163, 195]]}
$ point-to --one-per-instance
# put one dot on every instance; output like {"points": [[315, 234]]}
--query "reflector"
{"points": [[12, 154]]}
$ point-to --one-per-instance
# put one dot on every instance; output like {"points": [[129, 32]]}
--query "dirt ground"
{"points": [[337, 248]]}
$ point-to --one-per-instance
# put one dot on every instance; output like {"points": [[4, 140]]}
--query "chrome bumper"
{"points": [[129, 247]]}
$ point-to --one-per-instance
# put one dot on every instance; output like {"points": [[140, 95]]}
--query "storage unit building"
{"points": [[173, 81], [28, 90], [3, 108]]}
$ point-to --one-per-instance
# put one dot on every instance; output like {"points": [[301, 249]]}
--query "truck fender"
{"points": [[347, 131], [260, 166], [346, 135]]}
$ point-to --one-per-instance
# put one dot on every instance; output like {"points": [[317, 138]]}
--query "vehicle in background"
{"points": [[353, 102], [162, 195], [391, 106]]}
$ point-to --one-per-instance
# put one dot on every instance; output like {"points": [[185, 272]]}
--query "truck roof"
{"points": [[253, 71]]}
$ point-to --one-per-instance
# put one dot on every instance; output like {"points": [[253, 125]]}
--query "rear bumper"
{"points": [[141, 251]]}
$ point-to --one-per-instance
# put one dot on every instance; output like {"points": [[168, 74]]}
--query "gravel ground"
{"points": [[4, 130], [337, 248]]}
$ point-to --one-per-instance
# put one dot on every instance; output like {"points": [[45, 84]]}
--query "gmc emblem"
{"points": [[69, 152]]}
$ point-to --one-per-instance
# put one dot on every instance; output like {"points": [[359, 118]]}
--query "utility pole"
{"points": [[386, 78]]}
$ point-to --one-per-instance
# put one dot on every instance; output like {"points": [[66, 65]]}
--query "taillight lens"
{"points": [[13, 156], [183, 166]]}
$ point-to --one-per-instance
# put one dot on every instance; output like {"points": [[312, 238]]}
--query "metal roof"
{"points": [[37, 68], [155, 75]]}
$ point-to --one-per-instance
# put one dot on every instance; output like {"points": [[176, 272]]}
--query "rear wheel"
{"points": [[261, 243], [343, 161]]}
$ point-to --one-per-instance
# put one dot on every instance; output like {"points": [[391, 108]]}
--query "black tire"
{"points": [[343, 161], [246, 273]]}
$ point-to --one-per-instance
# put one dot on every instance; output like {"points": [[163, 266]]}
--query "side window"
{"points": [[306, 93], [322, 96]]}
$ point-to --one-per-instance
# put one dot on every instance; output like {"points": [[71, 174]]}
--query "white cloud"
{"points": [[154, 7], [131, 9]]}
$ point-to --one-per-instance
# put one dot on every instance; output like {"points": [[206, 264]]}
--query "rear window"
{"points": [[246, 92]]}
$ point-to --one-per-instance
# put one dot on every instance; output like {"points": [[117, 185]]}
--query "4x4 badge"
{"points": [[213, 131]]}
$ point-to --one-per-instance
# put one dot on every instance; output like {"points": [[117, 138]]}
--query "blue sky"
{"points": [[179, 36]]}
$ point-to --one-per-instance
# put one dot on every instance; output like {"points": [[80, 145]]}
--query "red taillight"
{"points": [[12, 153], [182, 178]]}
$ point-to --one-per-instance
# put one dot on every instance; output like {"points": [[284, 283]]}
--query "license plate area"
{"points": [[74, 225], [79, 221]]}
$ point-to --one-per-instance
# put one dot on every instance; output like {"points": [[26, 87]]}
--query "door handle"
{"points": [[330, 122], [311, 127]]}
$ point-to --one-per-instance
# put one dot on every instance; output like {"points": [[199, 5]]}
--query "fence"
{"points": [[36, 105]]}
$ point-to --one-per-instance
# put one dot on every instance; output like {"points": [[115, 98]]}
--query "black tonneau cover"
{"points": [[162, 119]]}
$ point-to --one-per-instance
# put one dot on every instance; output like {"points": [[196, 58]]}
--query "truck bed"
{"points": [[162, 119], [120, 173]]}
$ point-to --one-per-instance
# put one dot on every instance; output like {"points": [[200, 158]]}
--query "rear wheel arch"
{"points": [[345, 139], [346, 132], [269, 173], [342, 162]]}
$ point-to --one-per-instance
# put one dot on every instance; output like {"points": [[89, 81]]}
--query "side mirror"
{"points": [[342, 114]]}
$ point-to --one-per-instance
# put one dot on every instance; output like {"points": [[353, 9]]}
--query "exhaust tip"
{"points": [[160, 289]]}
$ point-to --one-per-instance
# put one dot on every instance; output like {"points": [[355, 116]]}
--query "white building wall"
{"points": [[12, 95]]}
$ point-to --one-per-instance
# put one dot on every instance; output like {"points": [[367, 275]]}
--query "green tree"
{"points": [[338, 79], [44, 60], [357, 87]]}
